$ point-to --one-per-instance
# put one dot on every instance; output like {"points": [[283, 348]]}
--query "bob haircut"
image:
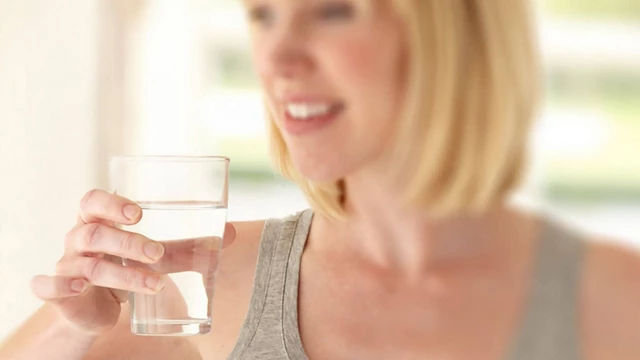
{"points": [[472, 91]]}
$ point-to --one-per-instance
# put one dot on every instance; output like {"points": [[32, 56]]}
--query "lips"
{"points": [[311, 121], [304, 111], [304, 115]]}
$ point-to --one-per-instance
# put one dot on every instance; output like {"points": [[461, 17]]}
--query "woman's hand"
{"points": [[90, 282]]}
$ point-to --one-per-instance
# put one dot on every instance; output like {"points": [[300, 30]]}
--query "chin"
{"points": [[321, 171]]}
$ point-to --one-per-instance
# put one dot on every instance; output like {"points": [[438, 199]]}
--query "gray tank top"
{"points": [[549, 329]]}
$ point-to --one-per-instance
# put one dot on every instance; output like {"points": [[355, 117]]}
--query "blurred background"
{"points": [[83, 80]]}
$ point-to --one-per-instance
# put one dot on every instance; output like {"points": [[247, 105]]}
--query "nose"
{"points": [[287, 51]]}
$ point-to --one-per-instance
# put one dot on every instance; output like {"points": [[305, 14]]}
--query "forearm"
{"points": [[46, 336]]}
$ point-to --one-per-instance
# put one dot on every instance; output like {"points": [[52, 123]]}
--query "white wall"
{"points": [[80, 81], [48, 138]]}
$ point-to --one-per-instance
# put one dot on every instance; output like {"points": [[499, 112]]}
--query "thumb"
{"points": [[229, 235]]}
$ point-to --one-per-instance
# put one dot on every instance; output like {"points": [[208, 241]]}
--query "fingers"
{"points": [[56, 287], [195, 254], [101, 272], [229, 235], [98, 205], [100, 238]]}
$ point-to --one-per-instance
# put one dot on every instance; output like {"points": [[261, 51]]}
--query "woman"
{"points": [[405, 124]]}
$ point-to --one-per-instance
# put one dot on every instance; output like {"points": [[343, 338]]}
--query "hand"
{"points": [[90, 282]]}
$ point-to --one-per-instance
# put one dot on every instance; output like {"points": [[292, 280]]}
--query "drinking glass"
{"points": [[184, 206]]}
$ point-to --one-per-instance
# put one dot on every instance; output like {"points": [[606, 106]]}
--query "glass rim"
{"points": [[169, 158]]}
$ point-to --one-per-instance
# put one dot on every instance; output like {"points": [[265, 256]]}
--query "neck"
{"points": [[383, 232]]}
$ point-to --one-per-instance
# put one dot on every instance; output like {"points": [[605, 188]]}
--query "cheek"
{"points": [[369, 76], [261, 57], [356, 63], [370, 79], [367, 65]]}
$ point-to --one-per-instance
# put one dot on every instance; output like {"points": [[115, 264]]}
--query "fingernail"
{"points": [[153, 250], [155, 283], [131, 211], [78, 285]]}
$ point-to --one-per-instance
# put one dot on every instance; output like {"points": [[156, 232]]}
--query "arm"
{"points": [[611, 293], [46, 335], [44, 331]]}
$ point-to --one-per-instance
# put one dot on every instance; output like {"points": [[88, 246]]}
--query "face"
{"points": [[333, 75]]}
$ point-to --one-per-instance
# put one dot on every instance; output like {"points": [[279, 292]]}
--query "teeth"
{"points": [[306, 111]]}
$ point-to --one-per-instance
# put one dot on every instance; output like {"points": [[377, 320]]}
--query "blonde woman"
{"points": [[405, 124]]}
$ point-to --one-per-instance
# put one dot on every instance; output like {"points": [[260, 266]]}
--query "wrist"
{"points": [[64, 327]]}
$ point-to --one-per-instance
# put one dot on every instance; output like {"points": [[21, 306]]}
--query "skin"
{"points": [[390, 283]]}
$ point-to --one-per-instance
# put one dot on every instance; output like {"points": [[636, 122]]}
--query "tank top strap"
{"points": [[270, 328], [550, 327]]}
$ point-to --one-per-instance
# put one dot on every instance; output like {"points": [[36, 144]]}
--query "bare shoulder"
{"points": [[233, 288], [611, 301], [238, 260], [244, 249]]}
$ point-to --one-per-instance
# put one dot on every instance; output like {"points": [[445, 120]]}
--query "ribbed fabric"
{"points": [[551, 324], [270, 330]]}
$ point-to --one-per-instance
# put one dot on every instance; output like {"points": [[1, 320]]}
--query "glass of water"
{"points": [[184, 206]]}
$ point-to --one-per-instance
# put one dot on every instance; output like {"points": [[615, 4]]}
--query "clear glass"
{"points": [[184, 206]]}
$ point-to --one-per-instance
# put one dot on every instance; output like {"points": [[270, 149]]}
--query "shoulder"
{"points": [[244, 249], [611, 300], [238, 260]]}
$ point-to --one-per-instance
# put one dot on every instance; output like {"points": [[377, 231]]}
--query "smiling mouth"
{"points": [[302, 118], [306, 111]]}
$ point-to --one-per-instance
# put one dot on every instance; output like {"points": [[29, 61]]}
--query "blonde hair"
{"points": [[472, 91]]}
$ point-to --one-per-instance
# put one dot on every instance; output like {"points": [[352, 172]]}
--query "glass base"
{"points": [[171, 327]]}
